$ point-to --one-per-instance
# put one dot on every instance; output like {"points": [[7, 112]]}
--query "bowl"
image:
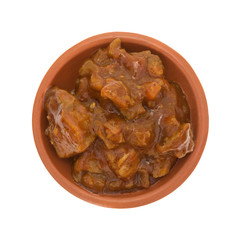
{"points": [[64, 72]]}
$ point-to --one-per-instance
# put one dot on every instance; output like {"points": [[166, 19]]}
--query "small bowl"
{"points": [[64, 72]]}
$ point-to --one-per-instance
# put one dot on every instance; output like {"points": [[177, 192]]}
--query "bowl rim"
{"points": [[135, 199]]}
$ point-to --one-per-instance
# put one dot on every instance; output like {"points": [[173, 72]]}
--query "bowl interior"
{"points": [[68, 73]]}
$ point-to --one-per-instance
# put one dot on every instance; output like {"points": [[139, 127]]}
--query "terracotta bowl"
{"points": [[64, 72]]}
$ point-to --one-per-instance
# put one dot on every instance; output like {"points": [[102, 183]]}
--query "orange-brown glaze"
{"points": [[125, 123]]}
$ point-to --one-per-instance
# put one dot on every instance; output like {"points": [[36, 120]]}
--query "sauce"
{"points": [[124, 125]]}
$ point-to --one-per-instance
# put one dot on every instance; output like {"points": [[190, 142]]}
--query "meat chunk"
{"points": [[162, 165], [141, 138], [135, 63], [100, 131], [88, 68], [110, 71], [96, 81], [168, 100], [111, 132], [86, 162], [155, 66], [180, 143], [81, 89], [163, 83], [87, 170], [145, 53], [114, 47], [117, 92], [170, 125], [101, 58], [115, 185], [69, 123], [124, 162], [143, 178], [139, 135], [94, 181], [118, 185], [133, 112]]}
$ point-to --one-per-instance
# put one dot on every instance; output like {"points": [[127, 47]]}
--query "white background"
{"points": [[34, 34]]}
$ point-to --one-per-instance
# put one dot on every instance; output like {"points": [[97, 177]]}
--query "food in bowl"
{"points": [[124, 125]]}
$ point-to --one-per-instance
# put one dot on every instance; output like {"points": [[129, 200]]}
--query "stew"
{"points": [[124, 125]]}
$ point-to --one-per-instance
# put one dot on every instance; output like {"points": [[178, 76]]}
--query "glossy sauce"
{"points": [[124, 124]]}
